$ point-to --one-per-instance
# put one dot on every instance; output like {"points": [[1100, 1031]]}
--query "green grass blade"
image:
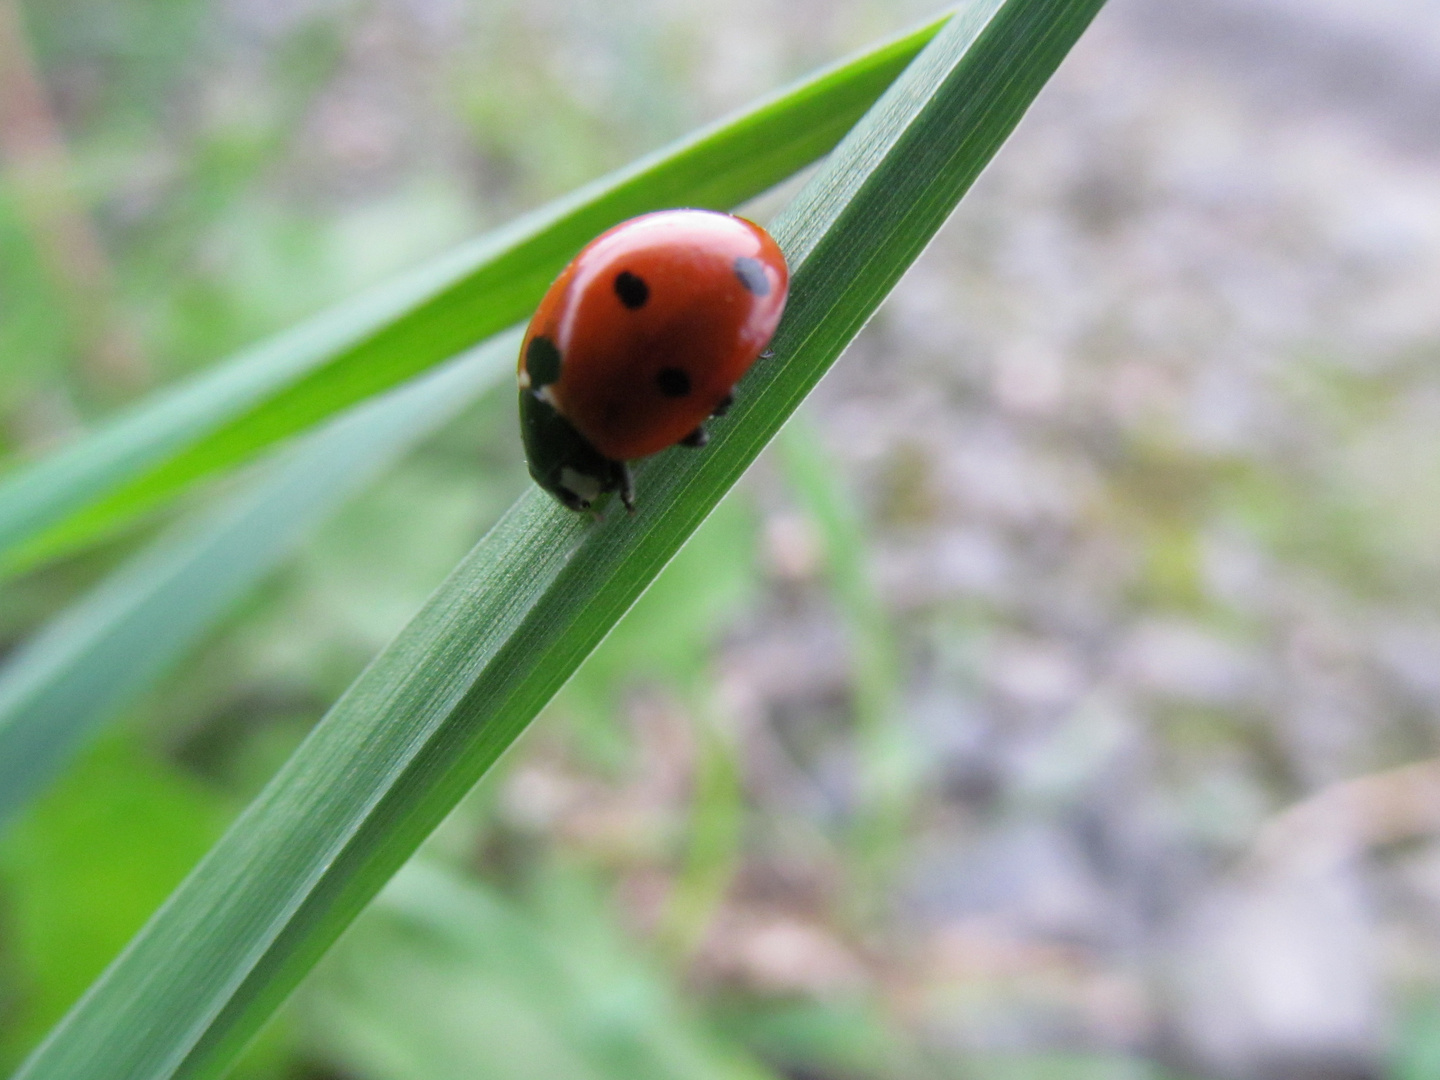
{"points": [[521, 611], [225, 416], [114, 641]]}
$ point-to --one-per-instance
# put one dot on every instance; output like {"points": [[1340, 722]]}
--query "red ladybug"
{"points": [[639, 341]]}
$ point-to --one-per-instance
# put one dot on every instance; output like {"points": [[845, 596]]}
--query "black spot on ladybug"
{"points": [[542, 362], [673, 382], [632, 290], [752, 275]]}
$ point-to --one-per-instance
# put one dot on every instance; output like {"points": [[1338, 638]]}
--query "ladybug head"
{"points": [[563, 462]]}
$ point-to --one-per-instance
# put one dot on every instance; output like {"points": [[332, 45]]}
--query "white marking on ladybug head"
{"points": [[583, 485]]}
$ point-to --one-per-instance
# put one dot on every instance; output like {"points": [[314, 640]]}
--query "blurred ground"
{"points": [[1059, 699]]}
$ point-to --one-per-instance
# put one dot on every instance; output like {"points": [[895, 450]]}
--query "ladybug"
{"points": [[639, 341]]}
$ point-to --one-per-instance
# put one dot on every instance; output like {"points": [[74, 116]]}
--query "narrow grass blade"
{"points": [[521, 611], [117, 639], [229, 414]]}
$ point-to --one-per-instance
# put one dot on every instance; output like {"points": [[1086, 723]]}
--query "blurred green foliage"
{"points": [[87, 866], [444, 979]]}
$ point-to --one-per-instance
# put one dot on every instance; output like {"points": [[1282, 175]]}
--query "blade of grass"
{"points": [[113, 642], [227, 415], [496, 641]]}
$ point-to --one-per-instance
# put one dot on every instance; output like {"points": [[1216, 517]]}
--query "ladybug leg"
{"points": [[768, 354], [696, 439], [723, 407], [626, 482]]}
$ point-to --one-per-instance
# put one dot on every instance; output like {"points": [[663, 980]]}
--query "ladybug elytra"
{"points": [[639, 341]]}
